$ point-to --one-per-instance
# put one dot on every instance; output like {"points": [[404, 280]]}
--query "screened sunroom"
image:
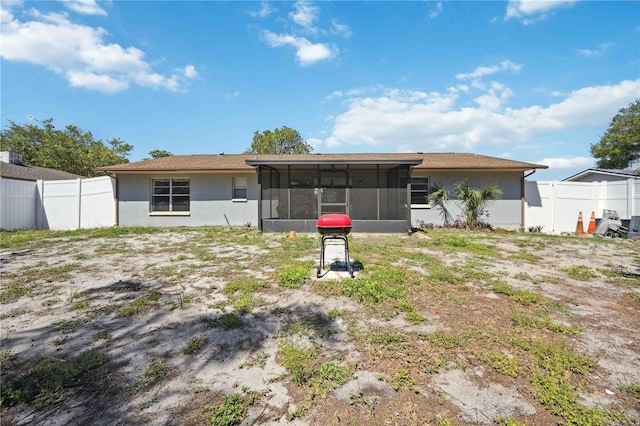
{"points": [[296, 190]]}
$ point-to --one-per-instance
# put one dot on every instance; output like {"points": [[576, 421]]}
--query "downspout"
{"points": [[522, 197]]}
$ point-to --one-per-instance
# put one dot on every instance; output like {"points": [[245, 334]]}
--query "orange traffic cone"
{"points": [[592, 223], [580, 225]]}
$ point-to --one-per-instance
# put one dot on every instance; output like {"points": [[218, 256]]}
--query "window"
{"points": [[239, 188], [419, 191], [170, 195]]}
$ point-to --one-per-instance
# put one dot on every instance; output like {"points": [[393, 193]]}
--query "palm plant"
{"points": [[439, 196], [475, 200]]}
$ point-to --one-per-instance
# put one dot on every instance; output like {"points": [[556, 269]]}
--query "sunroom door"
{"points": [[333, 192]]}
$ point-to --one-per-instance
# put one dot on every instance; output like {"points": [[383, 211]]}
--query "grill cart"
{"points": [[610, 225], [334, 227]]}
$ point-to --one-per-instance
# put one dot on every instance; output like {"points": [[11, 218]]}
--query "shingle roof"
{"points": [[21, 172], [457, 161], [609, 172], [184, 162], [238, 162]]}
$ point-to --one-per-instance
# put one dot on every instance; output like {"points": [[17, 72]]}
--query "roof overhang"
{"points": [[329, 162]]}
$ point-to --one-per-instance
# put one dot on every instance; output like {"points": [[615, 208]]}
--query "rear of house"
{"points": [[380, 192]]}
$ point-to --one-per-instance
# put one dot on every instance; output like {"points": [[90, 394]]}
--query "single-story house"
{"points": [[11, 167], [608, 175], [380, 192]]}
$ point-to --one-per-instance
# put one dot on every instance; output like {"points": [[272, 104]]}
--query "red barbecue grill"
{"points": [[334, 227]]}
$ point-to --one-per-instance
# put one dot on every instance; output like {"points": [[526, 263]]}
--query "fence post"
{"points": [[40, 204], [630, 197], [79, 181]]}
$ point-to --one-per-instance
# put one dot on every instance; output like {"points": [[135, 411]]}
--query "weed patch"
{"points": [[294, 276], [231, 412], [230, 321], [524, 297], [381, 284], [138, 305], [305, 369], [52, 379], [582, 273], [154, 373], [195, 345]]}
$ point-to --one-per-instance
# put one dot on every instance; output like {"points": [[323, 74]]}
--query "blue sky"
{"points": [[534, 81]]}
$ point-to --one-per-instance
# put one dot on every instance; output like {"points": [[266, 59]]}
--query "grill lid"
{"points": [[334, 220]]}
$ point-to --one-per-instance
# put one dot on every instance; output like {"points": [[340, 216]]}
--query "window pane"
{"points": [[181, 190], [159, 204], [239, 193], [180, 204], [181, 182], [161, 190], [161, 182], [240, 182], [419, 190]]}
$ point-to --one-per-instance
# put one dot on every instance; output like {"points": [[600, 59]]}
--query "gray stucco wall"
{"points": [[504, 213], [211, 201]]}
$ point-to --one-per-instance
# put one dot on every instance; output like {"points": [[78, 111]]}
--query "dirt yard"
{"points": [[231, 326]]}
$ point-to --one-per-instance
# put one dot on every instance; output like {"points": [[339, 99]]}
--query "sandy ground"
{"points": [[108, 273]]}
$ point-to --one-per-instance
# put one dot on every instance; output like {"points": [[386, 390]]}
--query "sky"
{"points": [[532, 81]]}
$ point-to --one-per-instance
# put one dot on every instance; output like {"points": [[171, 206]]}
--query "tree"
{"points": [[280, 141], [159, 153], [475, 200], [71, 150], [620, 145]]}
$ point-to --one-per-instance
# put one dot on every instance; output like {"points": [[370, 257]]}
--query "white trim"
{"points": [[169, 213], [239, 200], [420, 206]]}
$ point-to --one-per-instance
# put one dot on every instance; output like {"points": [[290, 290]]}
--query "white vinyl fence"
{"points": [[556, 205], [58, 204]]}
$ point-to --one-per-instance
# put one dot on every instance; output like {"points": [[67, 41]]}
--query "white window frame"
{"points": [[420, 182], [171, 194], [239, 183]]}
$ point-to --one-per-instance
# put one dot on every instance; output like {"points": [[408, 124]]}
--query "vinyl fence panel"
{"points": [[17, 204], [556, 205], [74, 204], [98, 202]]}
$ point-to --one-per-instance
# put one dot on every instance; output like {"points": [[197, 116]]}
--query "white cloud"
{"points": [[81, 54], [433, 121], [232, 95], [436, 10], [567, 162], [599, 51], [307, 53], [190, 71], [484, 71], [532, 11], [305, 14], [315, 143], [264, 11], [85, 7], [340, 29]]}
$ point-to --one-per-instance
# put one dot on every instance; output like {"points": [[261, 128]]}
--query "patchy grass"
{"points": [[295, 275], [230, 321], [53, 379], [154, 373], [195, 345], [139, 305], [524, 297], [582, 273], [519, 337]]}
